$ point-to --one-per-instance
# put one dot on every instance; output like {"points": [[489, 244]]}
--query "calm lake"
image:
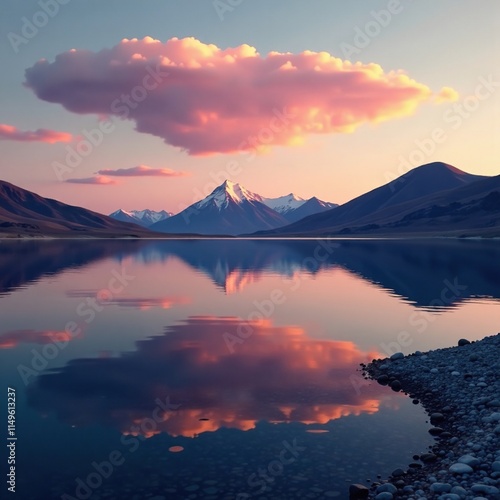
{"points": [[224, 369]]}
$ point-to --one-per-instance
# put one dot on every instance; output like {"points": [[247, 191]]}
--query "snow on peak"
{"points": [[121, 211], [147, 216], [150, 215], [226, 192], [284, 204]]}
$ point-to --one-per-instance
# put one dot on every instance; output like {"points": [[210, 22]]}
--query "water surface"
{"points": [[225, 369]]}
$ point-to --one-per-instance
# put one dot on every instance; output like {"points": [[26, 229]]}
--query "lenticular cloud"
{"points": [[207, 100]]}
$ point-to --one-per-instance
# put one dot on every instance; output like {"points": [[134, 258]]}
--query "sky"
{"points": [[152, 104]]}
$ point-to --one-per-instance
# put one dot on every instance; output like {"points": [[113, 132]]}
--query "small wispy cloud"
{"points": [[143, 171], [11, 133], [99, 180]]}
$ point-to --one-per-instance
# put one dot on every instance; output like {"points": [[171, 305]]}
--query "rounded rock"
{"points": [[396, 385], [436, 418], [358, 491], [428, 457], [458, 490], [460, 468], [463, 342], [398, 473], [485, 488], [385, 495], [469, 460], [387, 487], [435, 431], [440, 487], [396, 356]]}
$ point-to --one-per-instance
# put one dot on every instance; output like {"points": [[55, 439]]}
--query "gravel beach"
{"points": [[459, 387]]}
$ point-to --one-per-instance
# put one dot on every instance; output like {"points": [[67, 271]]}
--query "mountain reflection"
{"points": [[416, 270], [24, 262], [277, 374]]}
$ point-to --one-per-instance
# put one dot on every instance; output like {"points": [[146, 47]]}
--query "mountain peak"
{"points": [[229, 192], [439, 166], [144, 217]]}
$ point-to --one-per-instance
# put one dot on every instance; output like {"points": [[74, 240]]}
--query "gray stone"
{"points": [[428, 457], [469, 460], [436, 418], [435, 431], [358, 491], [398, 473], [440, 487], [485, 488], [495, 466], [396, 356], [458, 490], [396, 385], [385, 495], [390, 488], [460, 468], [463, 342]]}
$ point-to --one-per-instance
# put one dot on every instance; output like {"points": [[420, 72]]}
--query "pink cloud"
{"points": [[207, 100], [142, 171], [12, 339], [9, 132], [97, 180]]}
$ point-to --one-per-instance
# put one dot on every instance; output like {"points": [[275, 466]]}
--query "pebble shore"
{"points": [[459, 387]]}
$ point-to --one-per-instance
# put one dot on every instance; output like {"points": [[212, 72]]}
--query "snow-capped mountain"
{"points": [[284, 204], [144, 218], [226, 193], [229, 210], [294, 208], [309, 207]]}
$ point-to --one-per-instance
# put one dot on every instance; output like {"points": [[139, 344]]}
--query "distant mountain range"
{"points": [[436, 199], [232, 209], [144, 218]]}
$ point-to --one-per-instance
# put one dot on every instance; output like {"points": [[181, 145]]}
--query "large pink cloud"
{"points": [[9, 132], [142, 171], [207, 100]]}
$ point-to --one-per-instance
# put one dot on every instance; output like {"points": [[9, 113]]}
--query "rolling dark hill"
{"points": [[27, 214], [425, 185]]}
